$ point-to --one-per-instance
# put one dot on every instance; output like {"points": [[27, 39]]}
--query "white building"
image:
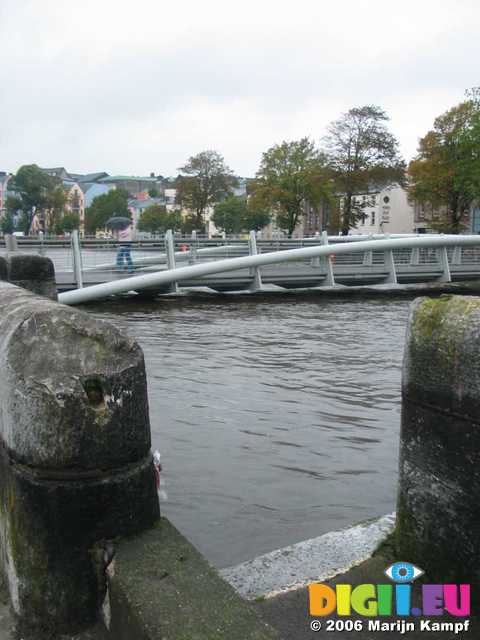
{"points": [[386, 211]]}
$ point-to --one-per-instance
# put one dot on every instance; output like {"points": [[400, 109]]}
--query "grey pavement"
{"points": [[289, 612]]}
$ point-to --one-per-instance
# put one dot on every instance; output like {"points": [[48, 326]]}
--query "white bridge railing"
{"points": [[441, 251]]}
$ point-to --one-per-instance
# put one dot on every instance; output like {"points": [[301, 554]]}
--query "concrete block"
{"points": [[438, 513], [75, 462], [161, 588]]}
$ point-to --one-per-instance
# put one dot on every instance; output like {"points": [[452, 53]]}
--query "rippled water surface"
{"points": [[277, 419]]}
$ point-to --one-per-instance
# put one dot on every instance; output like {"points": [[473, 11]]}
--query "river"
{"points": [[277, 417]]}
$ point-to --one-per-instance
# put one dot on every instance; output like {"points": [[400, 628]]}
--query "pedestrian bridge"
{"points": [[86, 273]]}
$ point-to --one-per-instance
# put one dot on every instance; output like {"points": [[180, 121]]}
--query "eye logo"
{"points": [[403, 572]]}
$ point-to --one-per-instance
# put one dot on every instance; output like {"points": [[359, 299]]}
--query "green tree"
{"points": [[156, 219], [113, 203], [229, 215], [445, 174], [255, 218], [68, 223], [189, 224], [236, 214], [36, 190], [7, 225], [291, 175], [55, 206], [207, 180], [361, 152]]}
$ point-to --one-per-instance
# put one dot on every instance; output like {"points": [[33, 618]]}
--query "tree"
{"points": [[7, 224], [361, 152], [36, 190], [236, 214], [445, 174], [229, 215], [55, 206], [153, 192], [255, 218], [290, 175], [113, 203], [156, 219], [68, 223], [207, 180]]}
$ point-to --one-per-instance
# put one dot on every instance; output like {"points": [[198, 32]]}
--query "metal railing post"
{"points": [[329, 278], [10, 243], [170, 253], [457, 255], [193, 254], [315, 262], [368, 258], [415, 256], [390, 265], [255, 271], [77, 259], [442, 256]]}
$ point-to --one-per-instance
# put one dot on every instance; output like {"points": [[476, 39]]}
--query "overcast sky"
{"points": [[139, 86]]}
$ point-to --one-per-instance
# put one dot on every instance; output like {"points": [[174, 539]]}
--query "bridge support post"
{"points": [[77, 259], [438, 510], [415, 257], [457, 255], [11, 243], [443, 259], [315, 262], [170, 253], [329, 280], [390, 265], [368, 258], [255, 271], [193, 254]]}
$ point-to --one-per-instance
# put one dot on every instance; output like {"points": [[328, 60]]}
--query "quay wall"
{"points": [[438, 513], [81, 538]]}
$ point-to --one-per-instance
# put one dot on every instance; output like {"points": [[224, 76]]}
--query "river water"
{"points": [[277, 418]]}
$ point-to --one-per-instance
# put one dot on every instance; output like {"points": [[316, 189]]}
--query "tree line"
{"points": [[357, 153], [36, 192]]}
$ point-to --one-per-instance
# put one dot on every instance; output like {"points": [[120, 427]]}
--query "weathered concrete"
{"points": [[161, 588], [309, 561], [75, 460], [438, 503], [289, 612], [30, 271]]}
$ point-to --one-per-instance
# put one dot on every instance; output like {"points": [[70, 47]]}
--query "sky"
{"points": [[140, 86]]}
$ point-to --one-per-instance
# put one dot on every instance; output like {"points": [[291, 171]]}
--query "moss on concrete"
{"points": [[162, 588]]}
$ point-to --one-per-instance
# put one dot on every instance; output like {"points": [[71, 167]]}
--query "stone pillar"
{"points": [[438, 519], [30, 271], [75, 465]]}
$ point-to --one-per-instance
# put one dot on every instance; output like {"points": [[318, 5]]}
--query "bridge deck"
{"points": [[288, 276]]}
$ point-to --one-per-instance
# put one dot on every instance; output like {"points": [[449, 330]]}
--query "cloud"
{"points": [[137, 87]]}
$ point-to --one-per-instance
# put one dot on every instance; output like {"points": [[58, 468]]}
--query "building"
{"points": [[138, 205], [134, 184], [386, 210], [93, 191], [75, 202], [428, 217]]}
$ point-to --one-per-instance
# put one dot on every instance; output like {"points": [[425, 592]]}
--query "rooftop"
{"points": [[129, 179]]}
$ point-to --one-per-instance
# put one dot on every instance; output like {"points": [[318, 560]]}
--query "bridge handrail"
{"points": [[99, 291]]}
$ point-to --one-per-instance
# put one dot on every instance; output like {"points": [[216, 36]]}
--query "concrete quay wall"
{"points": [[81, 539]]}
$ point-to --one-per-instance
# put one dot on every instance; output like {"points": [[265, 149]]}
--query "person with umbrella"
{"points": [[124, 232]]}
